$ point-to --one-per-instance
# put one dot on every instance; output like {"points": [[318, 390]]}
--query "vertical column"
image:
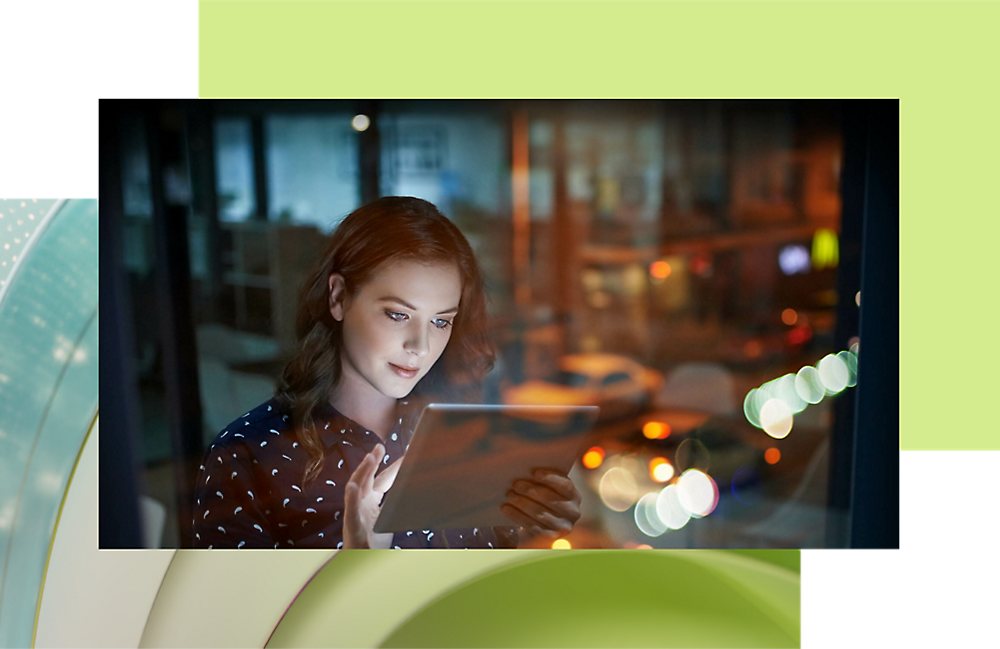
{"points": [[118, 486], [180, 360], [875, 493]]}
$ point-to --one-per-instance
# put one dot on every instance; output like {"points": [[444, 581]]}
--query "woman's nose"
{"points": [[417, 342]]}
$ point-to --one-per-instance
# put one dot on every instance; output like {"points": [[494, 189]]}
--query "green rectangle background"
{"points": [[938, 58]]}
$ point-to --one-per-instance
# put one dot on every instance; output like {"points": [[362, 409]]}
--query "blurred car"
{"points": [[618, 384]]}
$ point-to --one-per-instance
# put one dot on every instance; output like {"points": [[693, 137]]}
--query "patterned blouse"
{"points": [[250, 492]]}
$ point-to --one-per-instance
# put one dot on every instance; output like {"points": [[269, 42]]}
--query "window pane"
{"points": [[312, 168], [234, 168]]}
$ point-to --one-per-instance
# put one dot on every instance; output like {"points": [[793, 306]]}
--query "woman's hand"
{"points": [[544, 507], [362, 501]]}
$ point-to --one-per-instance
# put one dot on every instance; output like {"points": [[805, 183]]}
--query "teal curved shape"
{"points": [[48, 398], [615, 599]]}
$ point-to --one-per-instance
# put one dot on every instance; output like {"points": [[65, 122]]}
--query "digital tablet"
{"points": [[462, 460]]}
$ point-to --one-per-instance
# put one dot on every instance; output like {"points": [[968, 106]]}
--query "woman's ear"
{"points": [[338, 296]]}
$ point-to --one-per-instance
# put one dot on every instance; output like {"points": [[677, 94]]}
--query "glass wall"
{"points": [[675, 263]]}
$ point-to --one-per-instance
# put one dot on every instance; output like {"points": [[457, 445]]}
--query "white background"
{"points": [[58, 58]]}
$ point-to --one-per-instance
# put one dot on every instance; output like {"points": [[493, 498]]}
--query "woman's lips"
{"points": [[404, 372]]}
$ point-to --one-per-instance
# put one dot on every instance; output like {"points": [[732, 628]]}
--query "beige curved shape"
{"points": [[378, 591], [228, 598], [93, 598]]}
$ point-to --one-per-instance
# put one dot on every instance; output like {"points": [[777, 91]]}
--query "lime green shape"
{"points": [[615, 599], [473, 598]]}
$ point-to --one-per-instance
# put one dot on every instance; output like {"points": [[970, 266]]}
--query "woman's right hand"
{"points": [[362, 501]]}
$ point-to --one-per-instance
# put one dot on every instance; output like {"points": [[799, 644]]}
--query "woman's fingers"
{"points": [[557, 482], [384, 480], [546, 498], [364, 474], [529, 513], [360, 504]]}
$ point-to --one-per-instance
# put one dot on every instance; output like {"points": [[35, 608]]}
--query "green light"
{"points": [[750, 408], [833, 373], [851, 362], [808, 385], [785, 388], [825, 249]]}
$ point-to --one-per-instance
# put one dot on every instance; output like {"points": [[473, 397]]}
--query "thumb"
{"points": [[385, 479]]}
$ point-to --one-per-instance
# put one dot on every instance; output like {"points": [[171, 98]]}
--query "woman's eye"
{"points": [[395, 316], [441, 323]]}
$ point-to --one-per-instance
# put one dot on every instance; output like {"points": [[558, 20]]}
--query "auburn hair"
{"points": [[390, 229]]}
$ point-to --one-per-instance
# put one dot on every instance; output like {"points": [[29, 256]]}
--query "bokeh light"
{"points": [[646, 518], [772, 455], [660, 469], [793, 259], [593, 457], [561, 544], [808, 385], [753, 349], [784, 389], [360, 122], [789, 316], [617, 489], [691, 454], [750, 408], [851, 362], [659, 269], [697, 493], [833, 373], [655, 430], [776, 418], [669, 509]]}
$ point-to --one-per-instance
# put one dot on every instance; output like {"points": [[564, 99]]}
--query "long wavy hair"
{"points": [[389, 229]]}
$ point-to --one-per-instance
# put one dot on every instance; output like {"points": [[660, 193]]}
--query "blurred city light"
{"points": [[750, 408], [617, 489], [360, 122], [793, 259], [561, 544], [784, 389], [646, 518], [833, 373], [753, 349], [691, 454], [791, 393], [669, 509], [857, 298], [772, 455], [593, 457], [660, 469], [697, 493], [659, 269], [789, 316], [776, 418], [808, 385], [825, 249], [851, 362], [656, 430]]}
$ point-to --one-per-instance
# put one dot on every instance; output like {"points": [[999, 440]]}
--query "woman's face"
{"points": [[395, 327]]}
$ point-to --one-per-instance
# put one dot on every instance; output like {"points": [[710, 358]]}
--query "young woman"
{"points": [[392, 316]]}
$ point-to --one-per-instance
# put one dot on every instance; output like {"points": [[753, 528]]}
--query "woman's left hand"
{"points": [[545, 507]]}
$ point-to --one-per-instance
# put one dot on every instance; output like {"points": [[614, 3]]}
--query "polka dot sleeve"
{"points": [[227, 512]]}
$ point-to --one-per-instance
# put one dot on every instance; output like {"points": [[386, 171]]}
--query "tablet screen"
{"points": [[463, 459]]}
